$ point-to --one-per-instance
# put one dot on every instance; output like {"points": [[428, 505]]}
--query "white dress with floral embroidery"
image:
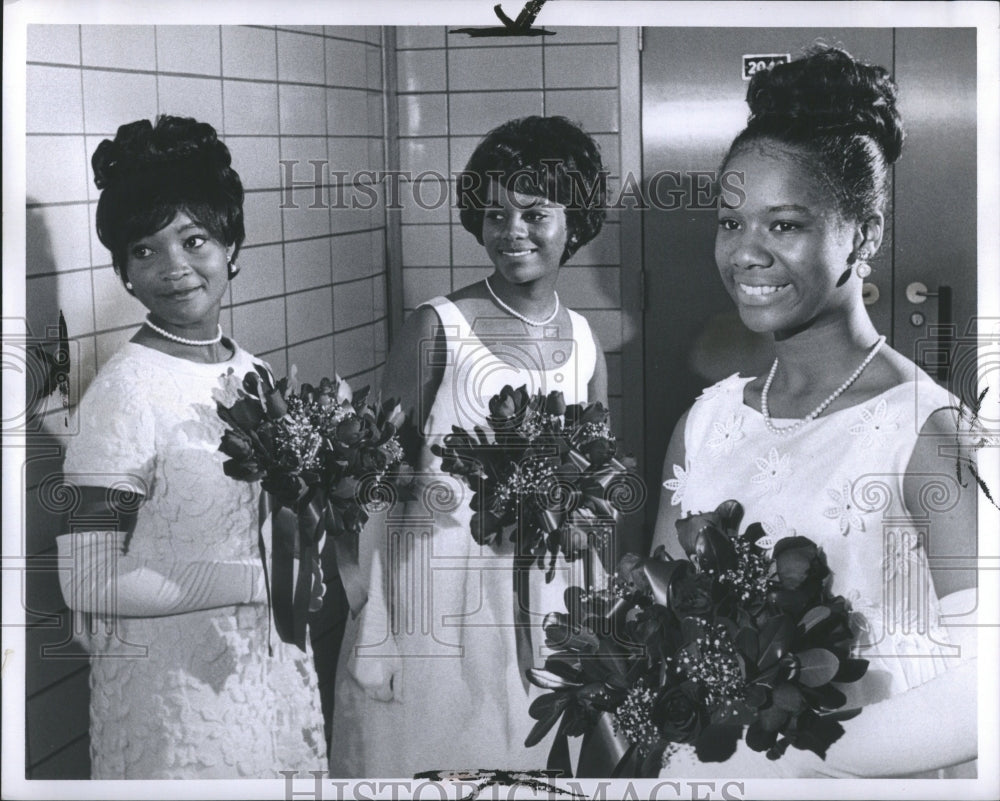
{"points": [[839, 481], [190, 695]]}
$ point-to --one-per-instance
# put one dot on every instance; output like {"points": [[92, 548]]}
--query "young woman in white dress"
{"points": [[187, 680], [434, 674], [840, 441]]}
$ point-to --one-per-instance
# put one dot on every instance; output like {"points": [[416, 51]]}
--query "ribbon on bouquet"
{"points": [[297, 587], [590, 494]]}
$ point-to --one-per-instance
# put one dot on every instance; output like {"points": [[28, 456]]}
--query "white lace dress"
{"points": [[839, 481], [439, 624], [195, 694]]}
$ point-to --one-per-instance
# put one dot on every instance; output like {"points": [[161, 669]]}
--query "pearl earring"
{"points": [[128, 285], [863, 268], [233, 269]]}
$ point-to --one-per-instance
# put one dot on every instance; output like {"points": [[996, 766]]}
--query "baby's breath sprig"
{"points": [[749, 577], [715, 665], [634, 717]]}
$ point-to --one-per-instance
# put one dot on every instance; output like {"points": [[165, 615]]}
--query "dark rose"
{"points": [[287, 489], [274, 401], [555, 403], [598, 452], [372, 458], [508, 407], [797, 561], [690, 594], [246, 413], [631, 571], [707, 538], [236, 444], [678, 716], [350, 430], [242, 469]]}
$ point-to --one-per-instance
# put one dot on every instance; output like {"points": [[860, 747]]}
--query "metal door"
{"points": [[693, 104]]}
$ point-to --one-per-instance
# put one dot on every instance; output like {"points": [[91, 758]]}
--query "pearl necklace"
{"points": [[195, 343], [822, 407], [517, 314]]}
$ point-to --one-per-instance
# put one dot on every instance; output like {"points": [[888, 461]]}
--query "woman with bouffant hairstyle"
{"points": [[434, 675], [187, 680], [839, 442]]}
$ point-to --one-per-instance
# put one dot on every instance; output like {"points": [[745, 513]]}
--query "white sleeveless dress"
{"points": [[192, 695], [440, 616], [839, 481]]}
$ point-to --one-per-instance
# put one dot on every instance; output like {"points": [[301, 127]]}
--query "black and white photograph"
{"points": [[571, 399]]}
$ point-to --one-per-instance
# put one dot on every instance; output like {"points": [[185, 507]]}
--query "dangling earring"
{"points": [[862, 267], [233, 269]]}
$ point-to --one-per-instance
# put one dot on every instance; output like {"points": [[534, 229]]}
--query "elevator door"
{"points": [[693, 104]]}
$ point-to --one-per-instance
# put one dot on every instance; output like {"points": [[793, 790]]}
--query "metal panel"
{"points": [[935, 241]]}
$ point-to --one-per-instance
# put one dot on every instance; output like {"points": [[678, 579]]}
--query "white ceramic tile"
{"points": [[408, 36], [189, 48], [56, 169], [262, 217], [347, 112], [316, 30], [462, 148], [260, 327], [581, 66], [54, 100], [354, 351], [303, 219], [373, 59], [465, 276], [301, 58], [423, 283], [421, 70], [302, 109], [200, 98], [349, 155], [426, 201], [249, 53], [423, 115], [99, 255], [379, 299], [495, 68], [58, 44], [354, 256], [307, 264], [310, 314], [111, 99], [359, 33], [376, 153], [584, 34], [313, 360], [309, 167], [478, 113], [609, 147], [261, 274], [70, 293], [57, 238], [595, 110], [256, 159], [353, 304], [423, 155], [345, 220], [119, 46], [347, 63], [376, 113], [113, 306], [250, 108], [425, 246]]}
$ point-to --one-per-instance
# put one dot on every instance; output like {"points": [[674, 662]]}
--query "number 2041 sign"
{"points": [[761, 61]]}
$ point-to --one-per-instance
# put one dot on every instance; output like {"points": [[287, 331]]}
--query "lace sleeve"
{"points": [[115, 445]]}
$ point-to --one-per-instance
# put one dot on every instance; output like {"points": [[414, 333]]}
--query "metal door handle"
{"points": [[918, 293]]}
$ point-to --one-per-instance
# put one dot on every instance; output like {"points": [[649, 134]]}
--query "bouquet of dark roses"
{"points": [[730, 642], [323, 455], [548, 475]]}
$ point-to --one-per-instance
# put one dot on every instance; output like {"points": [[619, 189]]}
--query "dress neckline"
{"points": [[473, 334], [825, 415], [180, 364]]}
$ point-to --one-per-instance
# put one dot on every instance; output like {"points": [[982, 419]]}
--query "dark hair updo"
{"points": [[546, 157], [840, 113], [148, 174]]}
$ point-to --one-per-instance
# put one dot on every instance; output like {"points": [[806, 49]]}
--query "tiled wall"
{"points": [[451, 91], [313, 283]]}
